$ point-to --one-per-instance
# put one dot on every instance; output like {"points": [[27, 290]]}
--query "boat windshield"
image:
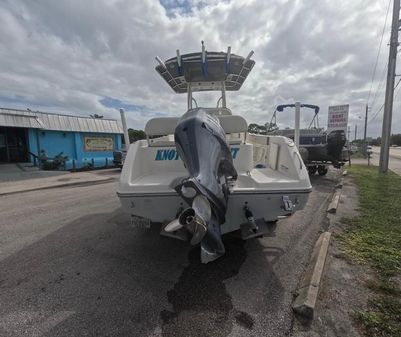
{"points": [[206, 99]]}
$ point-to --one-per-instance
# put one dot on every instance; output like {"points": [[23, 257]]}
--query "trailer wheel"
{"points": [[322, 170], [312, 170]]}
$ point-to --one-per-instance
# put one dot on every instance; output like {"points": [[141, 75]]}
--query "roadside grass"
{"points": [[374, 238], [357, 155], [383, 317]]}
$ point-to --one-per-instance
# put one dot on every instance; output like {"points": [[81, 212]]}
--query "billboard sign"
{"points": [[338, 117]]}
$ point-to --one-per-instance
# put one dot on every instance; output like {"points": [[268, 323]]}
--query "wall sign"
{"points": [[99, 143]]}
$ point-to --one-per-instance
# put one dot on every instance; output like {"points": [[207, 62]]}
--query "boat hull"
{"points": [[272, 181], [267, 205]]}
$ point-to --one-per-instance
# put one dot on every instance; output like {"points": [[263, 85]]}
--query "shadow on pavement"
{"points": [[99, 276]]}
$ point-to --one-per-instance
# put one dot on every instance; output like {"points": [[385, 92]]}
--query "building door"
{"points": [[3, 146], [13, 145]]}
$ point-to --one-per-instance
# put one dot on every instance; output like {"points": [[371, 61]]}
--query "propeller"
{"points": [[194, 219]]}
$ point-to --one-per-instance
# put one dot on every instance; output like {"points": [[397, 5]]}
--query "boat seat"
{"points": [[162, 126], [233, 124], [218, 111]]}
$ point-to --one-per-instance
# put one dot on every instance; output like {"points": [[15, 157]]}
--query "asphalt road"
{"points": [[394, 162], [72, 265]]}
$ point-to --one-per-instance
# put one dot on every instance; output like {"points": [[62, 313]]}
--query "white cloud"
{"points": [[65, 56]]}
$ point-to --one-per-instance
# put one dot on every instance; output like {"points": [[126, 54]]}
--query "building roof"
{"points": [[58, 122]]}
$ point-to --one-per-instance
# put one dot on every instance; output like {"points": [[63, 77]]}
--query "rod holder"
{"points": [[178, 58], [203, 52], [228, 54], [158, 59], [248, 57]]}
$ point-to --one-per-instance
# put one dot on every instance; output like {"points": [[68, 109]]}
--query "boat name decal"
{"points": [[172, 154]]}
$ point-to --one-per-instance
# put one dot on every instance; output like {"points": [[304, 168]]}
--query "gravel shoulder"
{"points": [[343, 290]]}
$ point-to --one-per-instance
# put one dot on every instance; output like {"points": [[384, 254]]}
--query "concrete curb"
{"points": [[308, 290], [334, 202], [79, 183], [340, 183]]}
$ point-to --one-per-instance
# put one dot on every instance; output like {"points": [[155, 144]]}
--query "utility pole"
{"points": [[366, 124], [125, 129], [297, 122], [356, 127], [388, 101]]}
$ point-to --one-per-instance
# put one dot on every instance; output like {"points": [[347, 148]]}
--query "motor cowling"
{"points": [[201, 144]]}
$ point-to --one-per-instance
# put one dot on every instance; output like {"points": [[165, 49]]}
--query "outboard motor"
{"points": [[201, 144], [335, 143]]}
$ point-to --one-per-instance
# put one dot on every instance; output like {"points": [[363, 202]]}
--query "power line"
{"points": [[377, 92], [377, 112], [397, 83], [378, 52], [383, 76], [381, 108]]}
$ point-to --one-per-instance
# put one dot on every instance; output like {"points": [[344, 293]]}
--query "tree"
{"points": [[396, 139], [135, 135], [256, 128], [271, 127], [376, 142]]}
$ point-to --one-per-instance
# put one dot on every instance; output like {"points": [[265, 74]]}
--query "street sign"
{"points": [[338, 117]]}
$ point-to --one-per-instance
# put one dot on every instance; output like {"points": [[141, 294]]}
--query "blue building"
{"points": [[87, 142]]}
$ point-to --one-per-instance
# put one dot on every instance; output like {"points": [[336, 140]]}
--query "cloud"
{"points": [[91, 56]]}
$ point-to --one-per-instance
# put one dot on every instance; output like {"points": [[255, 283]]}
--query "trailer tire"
{"points": [[312, 170], [322, 170]]}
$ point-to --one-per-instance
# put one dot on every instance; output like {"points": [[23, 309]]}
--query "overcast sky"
{"points": [[94, 56]]}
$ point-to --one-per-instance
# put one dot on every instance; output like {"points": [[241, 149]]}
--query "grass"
{"points": [[383, 317], [374, 238], [357, 155]]}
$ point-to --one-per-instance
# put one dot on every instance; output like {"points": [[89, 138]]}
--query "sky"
{"points": [[95, 56]]}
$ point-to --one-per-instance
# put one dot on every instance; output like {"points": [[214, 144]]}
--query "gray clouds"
{"points": [[66, 56]]}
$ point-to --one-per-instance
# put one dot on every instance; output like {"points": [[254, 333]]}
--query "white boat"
{"points": [[203, 175]]}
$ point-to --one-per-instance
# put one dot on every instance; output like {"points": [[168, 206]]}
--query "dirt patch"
{"points": [[344, 290]]}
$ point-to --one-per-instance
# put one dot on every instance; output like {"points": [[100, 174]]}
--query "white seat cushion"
{"points": [[162, 126]]}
